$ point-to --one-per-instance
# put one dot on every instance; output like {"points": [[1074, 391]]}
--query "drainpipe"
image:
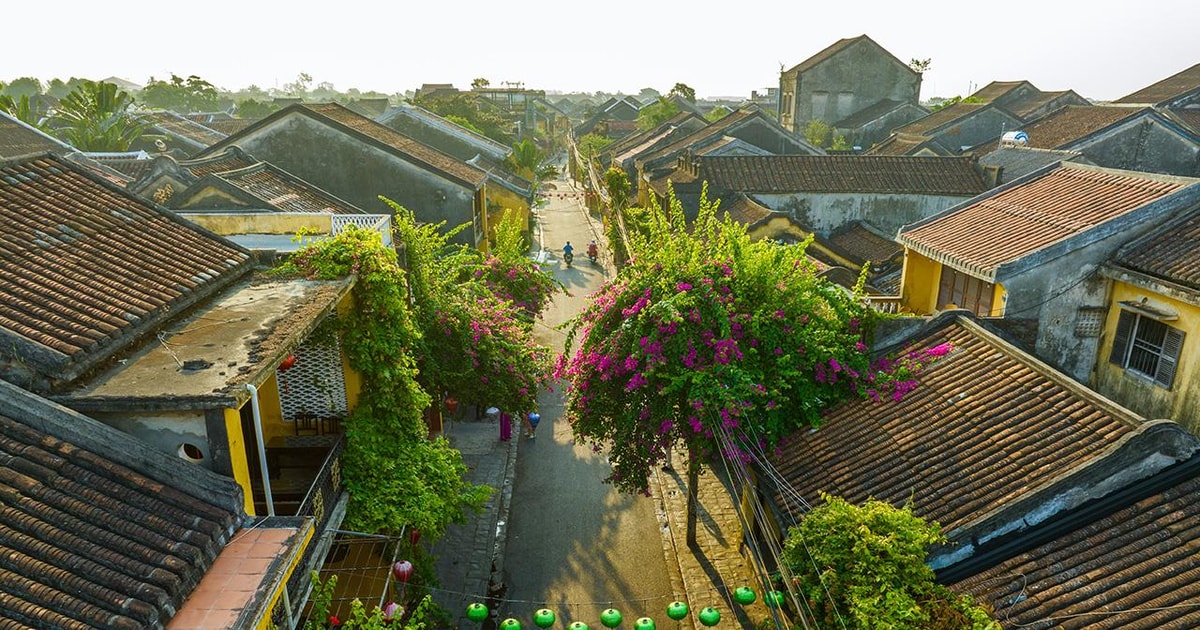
{"points": [[262, 449]]}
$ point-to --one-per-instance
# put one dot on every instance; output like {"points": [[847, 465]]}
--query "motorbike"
{"points": [[568, 257], [592, 254]]}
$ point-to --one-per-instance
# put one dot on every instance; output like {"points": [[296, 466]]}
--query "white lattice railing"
{"points": [[380, 222]]}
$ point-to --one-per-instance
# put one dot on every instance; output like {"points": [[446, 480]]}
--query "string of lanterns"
{"points": [[611, 617]]}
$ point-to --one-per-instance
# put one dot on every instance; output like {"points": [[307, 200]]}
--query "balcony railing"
{"points": [[884, 303]]}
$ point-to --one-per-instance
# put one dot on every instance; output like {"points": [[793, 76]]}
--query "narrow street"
{"points": [[574, 544]]}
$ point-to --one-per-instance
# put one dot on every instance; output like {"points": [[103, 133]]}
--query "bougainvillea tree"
{"points": [[477, 343]]}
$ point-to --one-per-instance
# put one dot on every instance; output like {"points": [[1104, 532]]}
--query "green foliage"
{"points": [[252, 109], [182, 95], [477, 342], [23, 86], [717, 113], [396, 475], [480, 83], [463, 122], [616, 183], [955, 99], [59, 88], [97, 117], [864, 567], [657, 113], [527, 160], [684, 91], [590, 145], [473, 108], [321, 600], [704, 334], [820, 134], [920, 65], [20, 108]]}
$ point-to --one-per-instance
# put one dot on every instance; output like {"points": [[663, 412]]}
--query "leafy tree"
{"points": [[396, 475], [480, 83], [482, 115], [325, 91], [655, 114], [299, 87], [59, 88], [97, 116], [20, 108], [252, 109], [717, 113], [920, 65], [683, 90], [820, 134], [23, 86], [192, 94], [511, 275], [956, 99], [590, 145], [864, 567]]}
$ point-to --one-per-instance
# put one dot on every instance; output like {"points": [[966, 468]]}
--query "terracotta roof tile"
{"points": [[864, 244], [89, 543], [18, 139], [398, 142], [842, 173], [1063, 202], [982, 428], [1175, 85], [1065, 125], [1171, 253], [1134, 570], [176, 125], [285, 192], [939, 118], [87, 264], [228, 160], [745, 210]]}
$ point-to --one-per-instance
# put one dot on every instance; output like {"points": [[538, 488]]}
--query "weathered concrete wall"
{"points": [[853, 80], [986, 124], [1148, 147], [360, 172], [826, 212], [165, 431]]}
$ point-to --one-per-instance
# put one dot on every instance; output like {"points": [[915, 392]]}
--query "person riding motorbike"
{"points": [[568, 253], [593, 251]]}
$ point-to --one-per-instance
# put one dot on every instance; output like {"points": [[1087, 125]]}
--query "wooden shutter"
{"points": [[1120, 347], [1172, 345]]}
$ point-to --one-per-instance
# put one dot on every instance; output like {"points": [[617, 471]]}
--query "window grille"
{"points": [[1146, 346], [1089, 322], [315, 384]]}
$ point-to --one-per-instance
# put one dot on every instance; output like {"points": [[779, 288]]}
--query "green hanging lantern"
{"points": [[773, 598], [709, 616], [610, 617], [477, 612], [644, 623], [578, 625], [744, 595], [510, 624], [543, 618], [677, 610]]}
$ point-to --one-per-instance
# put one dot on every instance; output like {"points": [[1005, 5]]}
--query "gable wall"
{"points": [[826, 212], [863, 71], [768, 138], [982, 126], [1147, 146], [879, 129], [360, 172]]}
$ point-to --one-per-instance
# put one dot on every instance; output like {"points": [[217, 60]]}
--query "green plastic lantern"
{"points": [[510, 624], [578, 625], [744, 595], [773, 598], [709, 616], [543, 618], [610, 617], [477, 612], [644, 623], [677, 610]]}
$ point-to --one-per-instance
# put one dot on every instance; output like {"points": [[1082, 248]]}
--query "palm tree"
{"points": [[97, 116], [20, 108]]}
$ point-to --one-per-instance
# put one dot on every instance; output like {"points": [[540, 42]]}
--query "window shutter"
{"points": [[1172, 345], [1120, 348]]}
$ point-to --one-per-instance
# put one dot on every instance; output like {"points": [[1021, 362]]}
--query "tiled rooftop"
{"points": [[1019, 161], [1132, 570], [983, 427], [18, 139], [284, 192], [88, 543], [864, 244], [1061, 203], [397, 141], [745, 210], [87, 265], [228, 160], [174, 124], [1073, 122], [943, 116], [1171, 253], [1175, 85], [715, 129], [952, 176]]}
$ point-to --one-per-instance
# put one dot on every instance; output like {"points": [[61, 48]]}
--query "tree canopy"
{"points": [[97, 116], [864, 567], [710, 339], [656, 113], [192, 94]]}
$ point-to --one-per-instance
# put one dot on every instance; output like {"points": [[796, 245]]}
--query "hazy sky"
{"points": [[1102, 49]]}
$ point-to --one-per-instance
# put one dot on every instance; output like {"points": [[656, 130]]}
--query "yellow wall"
{"points": [[501, 200], [260, 222], [237, 456], [919, 283], [999, 301], [265, 623], [352, 377], [1182, 402], [777, 228]]}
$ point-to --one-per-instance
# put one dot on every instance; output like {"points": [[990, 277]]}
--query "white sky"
{"points": [[1102, 49]]}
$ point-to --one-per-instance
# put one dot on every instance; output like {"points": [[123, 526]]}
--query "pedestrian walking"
{"points": [[533, 418]]}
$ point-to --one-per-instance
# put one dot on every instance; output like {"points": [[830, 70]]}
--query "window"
{"points": [[1146, 346], [965, 291]]}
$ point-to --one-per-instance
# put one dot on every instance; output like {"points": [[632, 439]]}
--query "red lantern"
{"points": [[402, 571], [287, 363], [451, 404], [414, 535]]}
